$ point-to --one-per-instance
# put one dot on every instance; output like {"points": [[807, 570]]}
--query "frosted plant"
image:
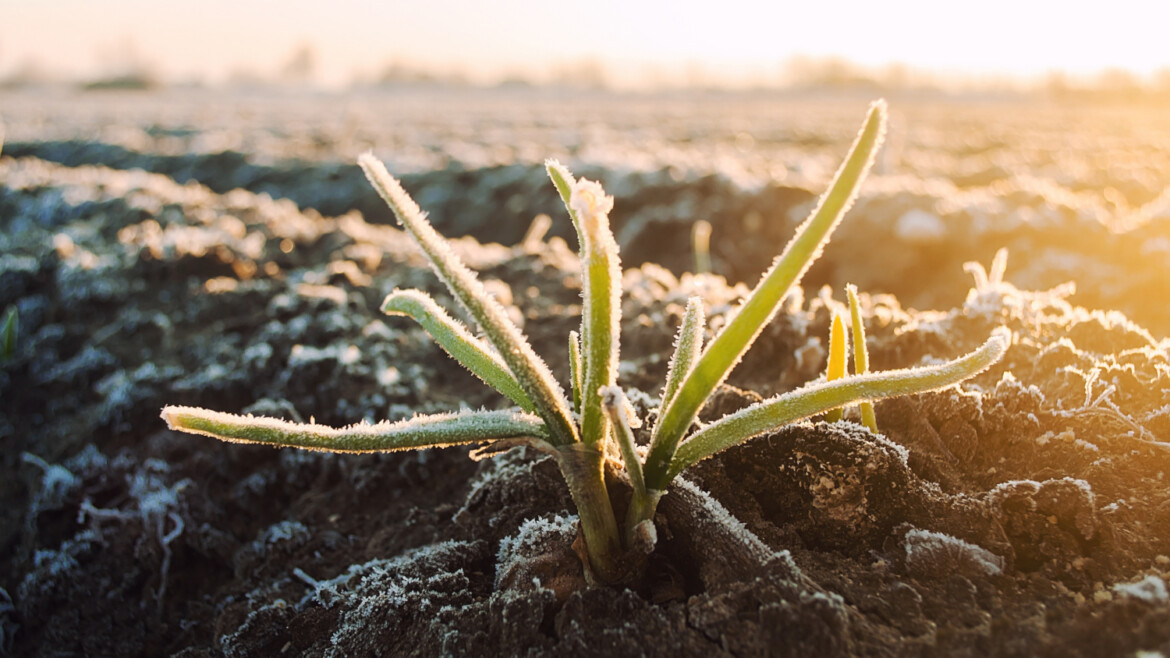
{"points": [[580, 428]]}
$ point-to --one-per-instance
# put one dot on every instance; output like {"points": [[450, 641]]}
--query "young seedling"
{"points": [[860, 354], [577, 428], [8, 333], [839, 356], [701, 246]]}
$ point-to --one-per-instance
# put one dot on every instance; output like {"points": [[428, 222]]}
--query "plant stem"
{"points": [[701, 244], [641, 501], [8, 333], [582, 465]]}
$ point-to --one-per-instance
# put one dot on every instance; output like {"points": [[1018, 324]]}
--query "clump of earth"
{"points": [[1024, 512]]}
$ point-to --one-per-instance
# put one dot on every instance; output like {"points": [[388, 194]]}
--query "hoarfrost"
{"points": [[283, 531], [156, 502], [534, 539], [55, 485], [376, 597], [936, 554], [50, 566], [8, 625], [1150, 589]]}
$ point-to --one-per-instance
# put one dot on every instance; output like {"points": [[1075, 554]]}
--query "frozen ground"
{"points": [[1077, 193]]}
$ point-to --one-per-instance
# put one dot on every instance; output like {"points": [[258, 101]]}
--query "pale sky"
{"points": [[212, 38]]}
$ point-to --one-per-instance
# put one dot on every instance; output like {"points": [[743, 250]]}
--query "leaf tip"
{"points": [[876, 120], [838, 348], [403, 302], [590, 201], [998, 343], [370, 163], [560, 175], [171, 414]]}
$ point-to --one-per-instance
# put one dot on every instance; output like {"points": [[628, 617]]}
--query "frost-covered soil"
{"points": [[1026, 513]]}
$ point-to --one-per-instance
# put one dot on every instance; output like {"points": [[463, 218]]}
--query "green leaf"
{"points": [[8, 333], [860, 354], [575, 368], [438, 430], [838, 355], [529, 369], [727, 348], [563, 180], [614, 404], [688, 344], [601, 277], [811, 400], [456, 340], [701, 246]]}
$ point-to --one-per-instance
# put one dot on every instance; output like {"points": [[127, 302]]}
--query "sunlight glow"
{"points": [[734, 40]]}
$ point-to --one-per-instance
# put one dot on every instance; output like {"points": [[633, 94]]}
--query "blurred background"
{"points": [[997, 45], [1040, 126]]}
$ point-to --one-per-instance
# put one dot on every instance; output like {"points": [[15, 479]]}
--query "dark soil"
{"points": [[1024, 513]]}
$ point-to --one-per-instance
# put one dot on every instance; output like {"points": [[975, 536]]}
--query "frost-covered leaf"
{"points": [[601, 277], [529, 369], [429, 431], [728, 347], [811, 400], [456, 340], [688, 344]]}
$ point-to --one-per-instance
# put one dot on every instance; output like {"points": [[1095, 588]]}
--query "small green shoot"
{"points": [[701, 245], [578, 429], [8, 333], [860, 354], [575, 369], [838, 355], [687, 347]]}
